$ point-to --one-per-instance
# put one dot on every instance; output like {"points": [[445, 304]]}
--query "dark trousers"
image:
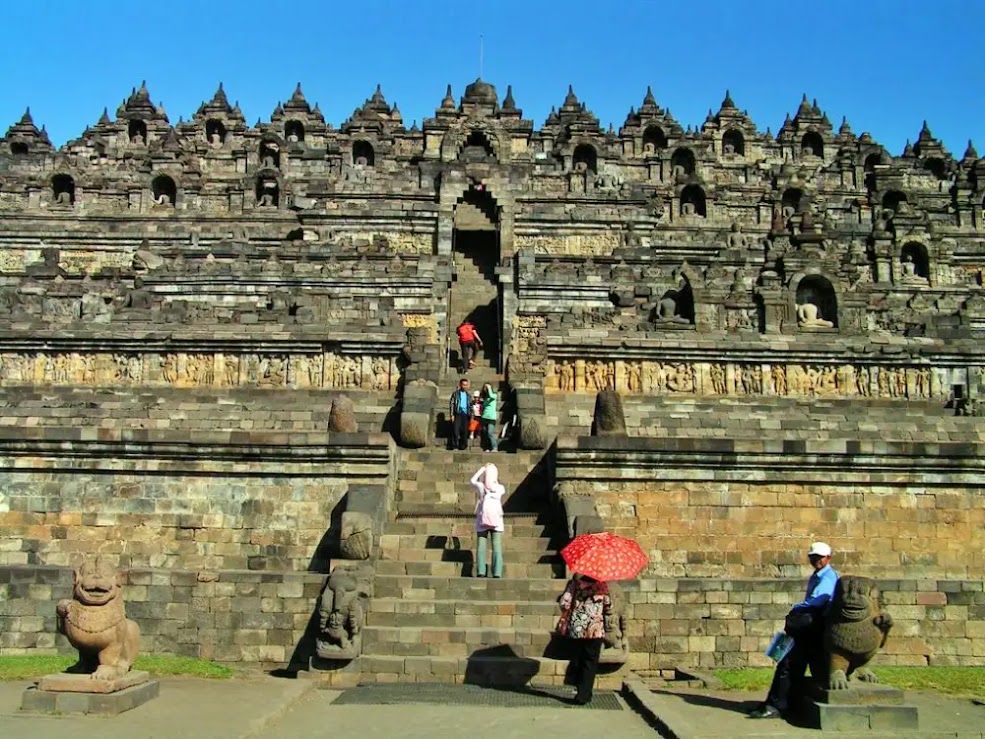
{"points": [[468, 351], [584, 666], [789, 680], [460, 431]]}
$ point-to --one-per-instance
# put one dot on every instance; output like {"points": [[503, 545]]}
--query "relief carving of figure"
{"points": [[827, 382], [680, 378], [169, 368], [342, 612], [634, 380], [921, 382], [230, 370], [199, 369], [272, 371], [251, 366], [883, 381], [566, 376], [863, 381], [381, 374], [95, 622], [751, 378], [718, 383], [899, 382], [779, 374], [809, 316]]}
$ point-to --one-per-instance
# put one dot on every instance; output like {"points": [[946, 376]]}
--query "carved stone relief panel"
{"points": [[747, 378], [193, 369], [421, 320], [587, 244]]}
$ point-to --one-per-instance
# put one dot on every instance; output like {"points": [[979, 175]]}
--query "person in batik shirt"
{"points": [[585, 605]]}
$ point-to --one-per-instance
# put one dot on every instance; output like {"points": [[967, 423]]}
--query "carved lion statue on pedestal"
{"points": [[854, 631], [95, 622]]}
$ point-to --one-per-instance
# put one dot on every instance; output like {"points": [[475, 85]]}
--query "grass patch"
{"points": [[968, 681], [28, 666]]}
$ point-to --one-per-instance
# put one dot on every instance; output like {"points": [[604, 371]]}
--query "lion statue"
{"points": [[854, 631], [95, 622]]}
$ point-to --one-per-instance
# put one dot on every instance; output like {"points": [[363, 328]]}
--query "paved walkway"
{"points": [[709, 714], [263, 707], [271, 707]]}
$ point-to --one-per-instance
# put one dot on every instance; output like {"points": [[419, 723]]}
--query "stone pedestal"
{"points": [[66, 693], [863, 706]]}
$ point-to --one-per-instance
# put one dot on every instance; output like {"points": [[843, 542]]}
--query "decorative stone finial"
{"points": [[908, 149], [570, 100], [804, 108], [298, 96], [26, 119], [649, 101], [448, 102], [508, 102], [104, 118], [970, 153], [728, 103], [925, 134]]}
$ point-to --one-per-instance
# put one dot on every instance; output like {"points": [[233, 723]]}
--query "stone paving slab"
{"points": [[721, 714], [186, 707], [318, 715], [473, 695]]}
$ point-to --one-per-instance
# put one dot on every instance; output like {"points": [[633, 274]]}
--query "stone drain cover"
{"points": [[472, 695]]}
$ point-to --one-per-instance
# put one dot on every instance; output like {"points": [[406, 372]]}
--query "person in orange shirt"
{"points": [[469, 343]]}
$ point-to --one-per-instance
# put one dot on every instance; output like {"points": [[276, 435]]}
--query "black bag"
{"points": [[800, 622]]}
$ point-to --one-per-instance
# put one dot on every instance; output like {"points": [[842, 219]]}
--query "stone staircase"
{"points": [[430, 619], [473, 296]]}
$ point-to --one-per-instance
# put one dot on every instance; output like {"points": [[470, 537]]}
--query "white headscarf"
{"points": [[491, 477]]}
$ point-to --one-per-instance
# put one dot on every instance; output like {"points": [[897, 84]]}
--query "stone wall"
{"points": [[255, 618], [180, 500], [749, 508], [729, 623], [261, 619]]}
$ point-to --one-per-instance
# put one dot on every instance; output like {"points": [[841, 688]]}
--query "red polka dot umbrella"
{"points": [[604, 556]]}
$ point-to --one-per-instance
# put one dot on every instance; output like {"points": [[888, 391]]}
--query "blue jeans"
{"points": [[497, 553], [489, 426]]}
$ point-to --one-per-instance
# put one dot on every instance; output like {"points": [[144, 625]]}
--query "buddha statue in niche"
{"points": [[809, 316]]}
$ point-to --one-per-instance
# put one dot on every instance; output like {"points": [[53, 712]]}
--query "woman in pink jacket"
{"points": [[489, 518]]}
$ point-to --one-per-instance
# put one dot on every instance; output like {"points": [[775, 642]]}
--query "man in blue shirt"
{"points": [[805, 624], [460, 412]]}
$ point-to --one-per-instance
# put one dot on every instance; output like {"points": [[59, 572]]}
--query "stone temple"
{"points": [[794, 323]]}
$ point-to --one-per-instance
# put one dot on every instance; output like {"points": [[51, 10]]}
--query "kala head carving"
{"points": [[95, 621]]}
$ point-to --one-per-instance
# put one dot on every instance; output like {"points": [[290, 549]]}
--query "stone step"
{"points": [[466, 556], [421, 547], [463, 526], [409, 641], [464, 566], [457, 501], [382, 606], [491, 668], [433, 587], [418, 459], [544, 621]]}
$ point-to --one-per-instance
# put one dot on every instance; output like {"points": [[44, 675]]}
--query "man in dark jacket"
{"points": [[460, 413]]}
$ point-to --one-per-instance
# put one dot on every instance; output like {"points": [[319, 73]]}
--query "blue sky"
{"points": [[886, 64]]}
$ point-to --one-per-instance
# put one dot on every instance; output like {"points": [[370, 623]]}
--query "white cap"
{"points": [[820, 549]]}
